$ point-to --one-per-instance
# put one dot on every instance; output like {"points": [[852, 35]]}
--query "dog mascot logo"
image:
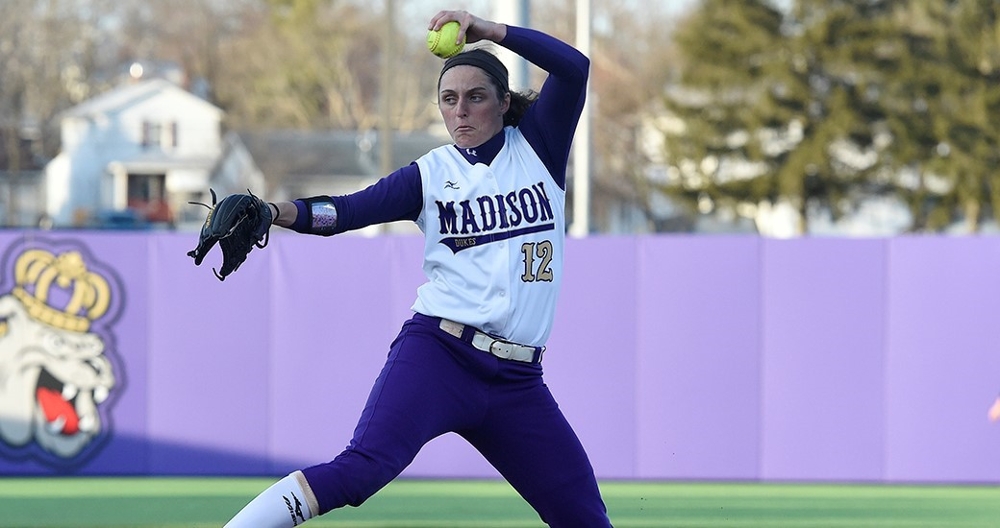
{"points": [[56, 375]]}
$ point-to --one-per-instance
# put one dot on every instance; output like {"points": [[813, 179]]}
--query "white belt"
{"points": [[498, 347]]}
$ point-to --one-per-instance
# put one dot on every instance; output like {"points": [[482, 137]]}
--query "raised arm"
{"points": [[550, 123]]}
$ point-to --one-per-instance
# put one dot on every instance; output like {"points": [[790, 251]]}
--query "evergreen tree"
{"points": [[723, 97], [775, 107], [838, 100], [942, 61]]}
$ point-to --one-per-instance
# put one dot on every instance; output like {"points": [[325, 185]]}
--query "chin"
{"points": [[465, 137]]}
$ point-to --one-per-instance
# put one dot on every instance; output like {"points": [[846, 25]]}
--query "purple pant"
{"points": [[433, 383]]}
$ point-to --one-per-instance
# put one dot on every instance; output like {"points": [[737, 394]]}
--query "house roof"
{"points": [[302, 154], [128, 95]]}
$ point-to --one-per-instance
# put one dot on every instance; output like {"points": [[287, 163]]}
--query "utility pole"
{"points": [[385, 123], [516, 12], [581, 144]]}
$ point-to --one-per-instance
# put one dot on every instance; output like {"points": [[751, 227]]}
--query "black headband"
{"points": [[483, 60]]}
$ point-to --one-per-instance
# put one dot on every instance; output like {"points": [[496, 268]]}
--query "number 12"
{"points": [[543, 251]]}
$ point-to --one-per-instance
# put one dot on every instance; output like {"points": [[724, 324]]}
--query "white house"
{"points": [[146, 147]]}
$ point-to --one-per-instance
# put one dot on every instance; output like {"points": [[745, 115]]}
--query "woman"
{"points": [[491, 207]]}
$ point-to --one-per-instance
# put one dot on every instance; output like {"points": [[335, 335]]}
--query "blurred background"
{"points": [[785, 118]]}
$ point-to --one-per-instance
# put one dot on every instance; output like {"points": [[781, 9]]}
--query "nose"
{"points": [[462, 107]]}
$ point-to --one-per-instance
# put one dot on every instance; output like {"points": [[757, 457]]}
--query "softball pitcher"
{"points": [[469, 361]]}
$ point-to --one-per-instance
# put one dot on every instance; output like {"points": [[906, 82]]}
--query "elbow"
{"points": [[583, 66]]}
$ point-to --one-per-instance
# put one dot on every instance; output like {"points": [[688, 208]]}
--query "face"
{"points": [[470, 106]]}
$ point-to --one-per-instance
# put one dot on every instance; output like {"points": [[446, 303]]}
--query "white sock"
{"points": [[287, 503]]}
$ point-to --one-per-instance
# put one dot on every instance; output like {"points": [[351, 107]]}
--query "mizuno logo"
{"points": [[471, 152], [450, 185], [295, 511]]}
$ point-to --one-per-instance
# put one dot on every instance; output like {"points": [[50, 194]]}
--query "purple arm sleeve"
{"points": [[551, 121], [397, 196]]}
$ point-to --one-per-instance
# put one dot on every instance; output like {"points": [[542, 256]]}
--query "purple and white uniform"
{"points": [[493, 219]]}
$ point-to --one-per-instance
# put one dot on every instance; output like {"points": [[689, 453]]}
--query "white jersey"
{"points": [[493, 241]]}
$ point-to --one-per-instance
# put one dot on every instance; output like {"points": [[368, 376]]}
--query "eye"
{"points": [[54, 341], [88, 347]]}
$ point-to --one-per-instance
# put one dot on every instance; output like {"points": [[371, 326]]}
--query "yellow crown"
{"points": [[40, 271]]}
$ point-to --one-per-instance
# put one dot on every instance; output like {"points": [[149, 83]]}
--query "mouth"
{"points": [[57, 401]]}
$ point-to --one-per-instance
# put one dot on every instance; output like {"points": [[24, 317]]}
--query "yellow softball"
{"points": [[443, 41]]}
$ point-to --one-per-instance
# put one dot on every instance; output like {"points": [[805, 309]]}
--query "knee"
{"points": [[348, 480]]}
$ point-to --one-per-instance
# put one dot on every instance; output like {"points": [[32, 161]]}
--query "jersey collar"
{"points": [[483, 153]]}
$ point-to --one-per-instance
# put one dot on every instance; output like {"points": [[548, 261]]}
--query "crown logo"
{"points": [[59, 290]]}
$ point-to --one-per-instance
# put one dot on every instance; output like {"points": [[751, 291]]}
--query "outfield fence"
{"points": [[675, 357]]}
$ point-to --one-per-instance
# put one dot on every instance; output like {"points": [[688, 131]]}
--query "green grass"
{"points": [[209, 502]]}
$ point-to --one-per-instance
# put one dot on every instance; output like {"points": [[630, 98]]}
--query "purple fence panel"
{"points": [[822, 376], [943, 365], [590, 361], [128, 254], [697, 312], [405, 274], [208, 363], [674, 357]]}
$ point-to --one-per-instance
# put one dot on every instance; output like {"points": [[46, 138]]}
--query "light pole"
{"points": [[581, 144]]}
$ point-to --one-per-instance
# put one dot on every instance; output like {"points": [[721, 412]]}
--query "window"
{"points": [[157, 134], [147, 195]]}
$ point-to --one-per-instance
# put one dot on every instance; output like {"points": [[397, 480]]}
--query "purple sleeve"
{"points": [[551, 121], [397, 196]]}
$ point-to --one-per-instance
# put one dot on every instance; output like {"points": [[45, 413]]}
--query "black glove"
{"points": [[238, 223]]}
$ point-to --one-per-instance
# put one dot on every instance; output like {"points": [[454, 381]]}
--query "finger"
{"points": [[438, 20], [464, 18]]}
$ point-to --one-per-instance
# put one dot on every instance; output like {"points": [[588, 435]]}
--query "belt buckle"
{"points": [[499, 351]]}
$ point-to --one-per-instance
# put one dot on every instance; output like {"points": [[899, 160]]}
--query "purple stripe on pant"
{"points": [[433, 383]]}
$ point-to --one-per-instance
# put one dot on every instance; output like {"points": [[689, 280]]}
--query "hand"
{"points": [[473, 28], [994, 412]]}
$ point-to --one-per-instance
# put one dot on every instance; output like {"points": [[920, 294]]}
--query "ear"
{"points": [[505, 103], [9, 309]]}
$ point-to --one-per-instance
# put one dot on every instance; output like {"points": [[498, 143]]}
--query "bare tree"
{"points": [[317, 65], [632, 58]]}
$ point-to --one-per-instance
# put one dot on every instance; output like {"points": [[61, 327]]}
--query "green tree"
{"points": [[834, 101], [722, 98], [942, 60], [775, 109]]}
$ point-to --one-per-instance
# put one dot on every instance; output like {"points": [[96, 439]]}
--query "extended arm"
{"points": [[395, 197]]}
